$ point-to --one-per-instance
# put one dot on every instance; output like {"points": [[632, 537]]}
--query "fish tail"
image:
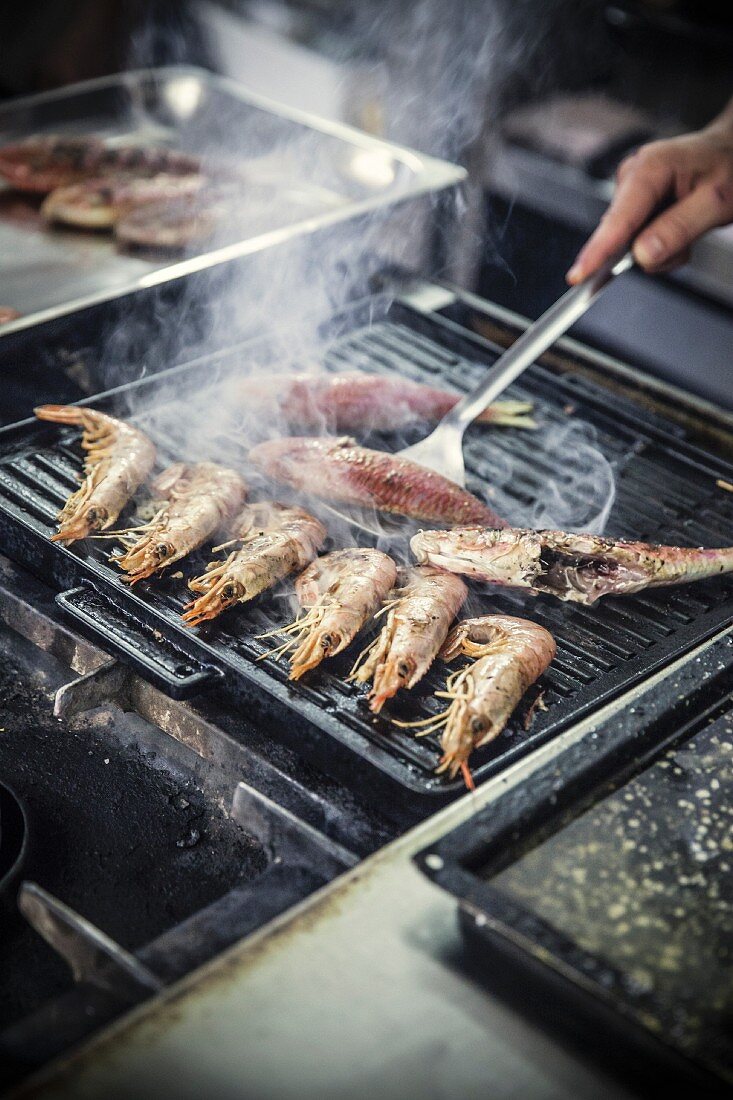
{"points": [[508, 414]]}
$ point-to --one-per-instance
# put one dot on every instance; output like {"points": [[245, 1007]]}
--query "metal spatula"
{"points": [[442, 450]]}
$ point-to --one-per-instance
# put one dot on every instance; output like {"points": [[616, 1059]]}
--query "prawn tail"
{"points": [[61, 414]]}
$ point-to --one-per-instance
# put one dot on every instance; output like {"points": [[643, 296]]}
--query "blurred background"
{"points": [[538, 100]]}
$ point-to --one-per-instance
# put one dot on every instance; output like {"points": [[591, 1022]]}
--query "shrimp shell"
{"points": [[118, 460], [276, 541], [339, 592], [418, 620], [200, 499], [509, 654]]}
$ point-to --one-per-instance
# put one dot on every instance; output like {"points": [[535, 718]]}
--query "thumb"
{"points": [[676, 229]]}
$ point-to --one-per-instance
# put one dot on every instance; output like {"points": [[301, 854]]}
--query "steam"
{"points": [[444, 69]]}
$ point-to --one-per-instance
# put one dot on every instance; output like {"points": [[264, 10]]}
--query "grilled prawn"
{"points": [[118, 460], [341, 470], [355, 401], [508, 655], [418, 617], [579, 568], [274, 542], [199, 500], [338, 592]]}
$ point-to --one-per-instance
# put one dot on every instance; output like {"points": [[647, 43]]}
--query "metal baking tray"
{"points": [[306, 174]]}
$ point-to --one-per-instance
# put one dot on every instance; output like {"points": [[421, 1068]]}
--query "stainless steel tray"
{"points": [[306, 174]]}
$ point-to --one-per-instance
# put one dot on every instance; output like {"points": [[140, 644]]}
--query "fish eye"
{"points": [[162, 550], [403, 669], [478, 725]]}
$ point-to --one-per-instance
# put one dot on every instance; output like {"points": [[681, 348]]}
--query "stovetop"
{"points": [[133, 784]]}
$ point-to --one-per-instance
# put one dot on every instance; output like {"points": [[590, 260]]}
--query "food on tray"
{"points": [[507, 656], [580, 568], [39, 164], [100, 203], [118, 460], [199, 500], [340, 470], [174, 222], [273, 542], [7, 314], [355, 401], [338, 593], [418, 617], [42, 163]]}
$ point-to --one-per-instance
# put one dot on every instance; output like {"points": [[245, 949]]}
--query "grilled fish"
{"points": [[341, 470], [579, 568], [355, 401]]}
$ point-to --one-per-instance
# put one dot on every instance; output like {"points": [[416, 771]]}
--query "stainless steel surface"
{"points": [[442, 450], [306, 174], [281, 833], [358, 991], [92, 956]]}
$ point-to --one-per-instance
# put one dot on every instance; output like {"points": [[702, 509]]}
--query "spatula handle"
{"points": [[553, 323]]}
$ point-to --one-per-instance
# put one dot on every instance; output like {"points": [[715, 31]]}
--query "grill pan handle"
{"points": [[141, 641]]}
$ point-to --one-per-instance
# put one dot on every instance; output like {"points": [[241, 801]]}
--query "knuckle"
{"points": [[722, 190]]}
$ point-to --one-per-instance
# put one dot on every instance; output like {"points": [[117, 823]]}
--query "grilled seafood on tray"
{"points": [[419, 614], [579, 568], [340, 470], [119, 458], [101, 203], [41, 164], [273, 542], [199, 500], [339, 593], [356, 401], [507, 656]]}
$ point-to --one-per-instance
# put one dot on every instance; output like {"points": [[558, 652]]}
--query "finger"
{"points": [[676, 229], [641, 188], [675, 261]]}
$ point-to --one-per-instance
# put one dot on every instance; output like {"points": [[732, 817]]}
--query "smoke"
{"points": [[445, 71]]}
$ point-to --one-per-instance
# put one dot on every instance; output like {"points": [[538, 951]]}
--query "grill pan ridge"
{"points": [[666, 492]]}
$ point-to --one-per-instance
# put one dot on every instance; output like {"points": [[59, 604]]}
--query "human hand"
{"points": [[695, 170]]}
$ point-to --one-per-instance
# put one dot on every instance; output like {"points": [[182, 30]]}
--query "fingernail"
{"points": [[574, 273], [649, 249]]}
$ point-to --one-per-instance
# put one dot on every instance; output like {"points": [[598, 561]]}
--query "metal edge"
{"points": [[404, 847], [432, 175], [582, 351]]}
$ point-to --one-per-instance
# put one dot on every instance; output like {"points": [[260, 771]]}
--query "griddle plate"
{"points": [[666, 492]]}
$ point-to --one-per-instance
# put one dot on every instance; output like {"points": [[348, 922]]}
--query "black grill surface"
{"points": [[666, 492]]}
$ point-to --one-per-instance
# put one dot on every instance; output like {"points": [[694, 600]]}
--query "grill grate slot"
{"points": [[660, 497]]}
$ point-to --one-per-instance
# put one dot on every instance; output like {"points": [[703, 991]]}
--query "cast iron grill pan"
{"points": [[666, 491]]}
